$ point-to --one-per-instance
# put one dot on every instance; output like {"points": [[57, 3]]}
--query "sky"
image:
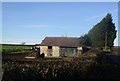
{"points": [[60, 0], [31, 22]]}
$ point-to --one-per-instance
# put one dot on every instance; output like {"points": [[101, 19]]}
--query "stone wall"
{"points": [[54, 52], [43, 49]]}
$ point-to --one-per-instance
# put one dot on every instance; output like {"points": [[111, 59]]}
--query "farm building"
{"points": [[60, 46]]}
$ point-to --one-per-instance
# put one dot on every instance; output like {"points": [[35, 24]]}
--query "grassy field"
{"points": [[0, 48], [6, 49], [16, 52]]}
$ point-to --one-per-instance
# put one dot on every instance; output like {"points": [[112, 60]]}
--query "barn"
{"points": [[60, 46]]}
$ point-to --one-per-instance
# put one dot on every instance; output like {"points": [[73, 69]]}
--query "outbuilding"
{"points": [[60, 47]]}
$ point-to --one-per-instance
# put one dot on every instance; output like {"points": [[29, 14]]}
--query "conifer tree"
{"points": [[103, 32]]}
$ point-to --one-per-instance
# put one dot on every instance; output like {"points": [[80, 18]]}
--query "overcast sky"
{"points": [[31, 22]]}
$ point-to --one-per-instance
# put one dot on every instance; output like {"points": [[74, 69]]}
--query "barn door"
{"points": [[49, 50]]}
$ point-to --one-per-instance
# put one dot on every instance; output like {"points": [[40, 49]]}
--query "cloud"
{"points": [[100, 15]]}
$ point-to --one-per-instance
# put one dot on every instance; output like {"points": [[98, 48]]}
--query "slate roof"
{"points": [[61, 41]]}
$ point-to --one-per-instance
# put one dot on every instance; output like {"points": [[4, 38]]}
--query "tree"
{"points": [[104, 29], [84, 40], [23, 43]]}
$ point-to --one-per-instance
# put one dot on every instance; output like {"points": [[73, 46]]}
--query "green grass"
{"points": [[0, 48], [15, 48]]}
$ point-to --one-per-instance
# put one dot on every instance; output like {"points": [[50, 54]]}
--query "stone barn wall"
{"points": [[43, 49], [53, 52], [79, 51], [56, 51]]}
